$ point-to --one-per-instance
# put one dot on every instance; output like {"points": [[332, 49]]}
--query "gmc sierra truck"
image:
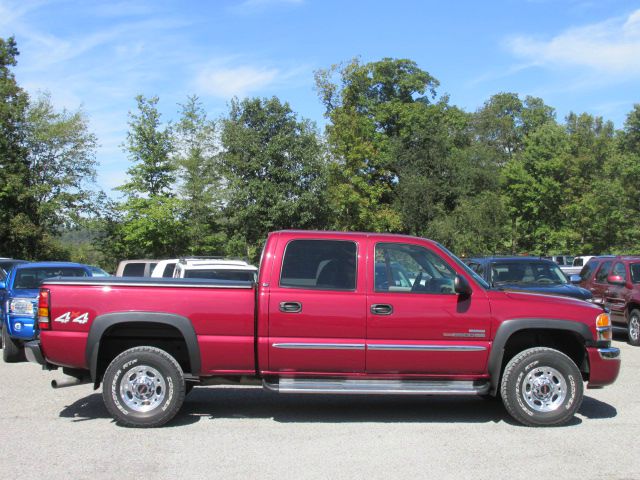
{"points": [[331, 313]]}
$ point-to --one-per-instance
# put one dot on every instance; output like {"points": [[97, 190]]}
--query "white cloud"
{"points": [[226, 82], [609, 48]]}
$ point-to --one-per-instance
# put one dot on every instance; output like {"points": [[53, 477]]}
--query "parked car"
{"points": [[218, 269], [165, 268], [576, 266], [615, 284], [20, 312], [319, 322], [561, 260], [7, 264], [136, 268], [530, 274]]}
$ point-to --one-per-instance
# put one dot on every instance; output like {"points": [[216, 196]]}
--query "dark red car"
{"points": [[615, 284]]}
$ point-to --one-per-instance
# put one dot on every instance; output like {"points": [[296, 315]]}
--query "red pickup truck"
{"points": [[340, 313]]}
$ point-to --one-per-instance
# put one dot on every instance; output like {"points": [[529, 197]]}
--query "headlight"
{"points": [[21, 306], [603, 327]]}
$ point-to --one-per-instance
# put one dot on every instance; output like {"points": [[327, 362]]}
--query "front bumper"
{"points": [[21, 327], [604, 366]]}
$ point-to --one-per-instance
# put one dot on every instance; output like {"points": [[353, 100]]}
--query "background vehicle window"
{"points": [[237, 275], [133, 270], [28, 279], [588, 269], [578, 262], [635, 272], [618, 269], [168, 270], [602, 274], [319, 265], [410, 268], [521, 272]]}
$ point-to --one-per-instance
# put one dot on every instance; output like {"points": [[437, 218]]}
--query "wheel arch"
{"points": [[103, 324], [509, 330]]}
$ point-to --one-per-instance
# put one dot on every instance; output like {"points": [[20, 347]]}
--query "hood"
{"points": [[565, 290], [550, 299]]}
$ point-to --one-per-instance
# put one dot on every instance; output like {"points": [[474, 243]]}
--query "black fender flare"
{"points": [[509, 327], [103, 322]]}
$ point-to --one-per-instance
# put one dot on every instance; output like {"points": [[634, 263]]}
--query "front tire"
{"points": [[12, 350], [634, 328], [541, 387], [143, 387]]}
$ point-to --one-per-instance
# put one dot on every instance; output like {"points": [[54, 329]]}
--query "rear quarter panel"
{"points": [[223, 320]]}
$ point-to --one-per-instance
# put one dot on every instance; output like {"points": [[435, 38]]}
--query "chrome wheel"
{"points": [[142, 388], [544, 389], [634, 328]]}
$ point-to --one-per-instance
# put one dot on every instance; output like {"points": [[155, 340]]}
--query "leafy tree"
{"points": [[149, 147], [504, 121], [197, 155], [369, 106], [150, 222], [630, 136], [14, 165], [274, 169]]}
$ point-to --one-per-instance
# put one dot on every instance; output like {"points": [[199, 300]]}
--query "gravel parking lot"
{"points": [[251, 433]]}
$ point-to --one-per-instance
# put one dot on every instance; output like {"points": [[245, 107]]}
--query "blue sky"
{"points": [[578, 55]]}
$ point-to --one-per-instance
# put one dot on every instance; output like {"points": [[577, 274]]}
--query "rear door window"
{"points": [[319, 265], [634, 268]]}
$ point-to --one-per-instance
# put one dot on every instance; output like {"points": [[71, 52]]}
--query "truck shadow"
{"points": [[254, 403]]}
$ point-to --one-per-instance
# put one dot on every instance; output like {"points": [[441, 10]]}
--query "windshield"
{"points": [[526, 273], [30, 278], [241, 275], [465, 267]]}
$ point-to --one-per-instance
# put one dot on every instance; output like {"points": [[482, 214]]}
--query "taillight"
{"points": [[44, 304]]}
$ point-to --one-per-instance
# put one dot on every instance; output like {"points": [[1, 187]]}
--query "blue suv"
{"points": [[20, 308]]}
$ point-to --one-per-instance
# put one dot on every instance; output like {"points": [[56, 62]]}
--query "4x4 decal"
{"points": [[66, 318]]}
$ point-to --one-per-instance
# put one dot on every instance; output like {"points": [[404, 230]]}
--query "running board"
{"points": [[377, 387]]}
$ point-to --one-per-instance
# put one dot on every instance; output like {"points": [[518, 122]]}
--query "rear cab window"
{"points": [[320, 265]]}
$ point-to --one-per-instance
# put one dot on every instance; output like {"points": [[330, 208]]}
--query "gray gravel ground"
{"points": [[249, 433]]}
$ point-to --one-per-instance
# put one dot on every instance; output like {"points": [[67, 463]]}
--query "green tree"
{"points": [[274, 169], [150, 222], [369, 107], [505, 120], [14, 166], [197, 155]]}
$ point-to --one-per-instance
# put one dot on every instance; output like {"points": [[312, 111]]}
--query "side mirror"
{"points": [[616, 280], [461, 286], [2, 285], [575, 279]]}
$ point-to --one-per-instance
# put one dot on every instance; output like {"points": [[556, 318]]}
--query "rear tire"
{"points": [[634, 328], [12, 350], [143, 387], [541, 387]]}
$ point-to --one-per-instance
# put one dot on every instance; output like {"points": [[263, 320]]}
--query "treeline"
{"points": [[396, 156]]}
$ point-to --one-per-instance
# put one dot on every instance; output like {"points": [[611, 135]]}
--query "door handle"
{"points": [[381, 309], [290, 307]]}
